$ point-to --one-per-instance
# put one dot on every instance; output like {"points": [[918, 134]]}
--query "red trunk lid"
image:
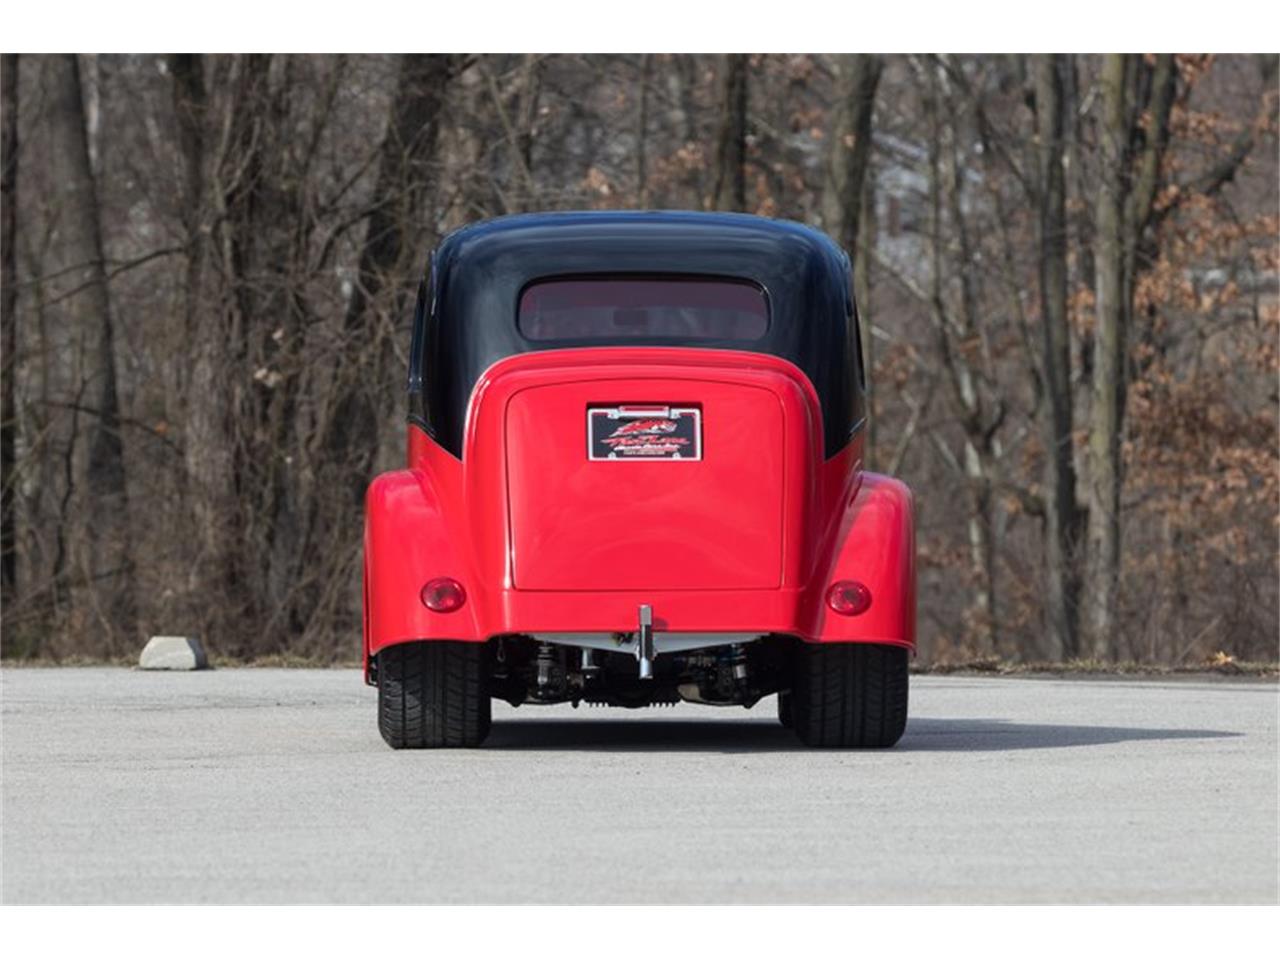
{"points": [[615, 508]]}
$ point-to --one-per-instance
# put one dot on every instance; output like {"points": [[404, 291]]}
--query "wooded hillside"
{"points": [[1067, 266]]}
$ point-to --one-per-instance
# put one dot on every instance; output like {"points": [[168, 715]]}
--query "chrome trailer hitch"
{"points": [[645, 652]]}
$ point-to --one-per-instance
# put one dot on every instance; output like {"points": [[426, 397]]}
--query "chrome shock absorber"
{"points": [[738, 663]]}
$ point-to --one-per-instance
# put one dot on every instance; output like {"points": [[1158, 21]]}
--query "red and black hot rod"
{"points": [[634, 477]]}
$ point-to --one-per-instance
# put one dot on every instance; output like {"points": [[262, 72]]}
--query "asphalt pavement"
{"points": [[273, 786]]}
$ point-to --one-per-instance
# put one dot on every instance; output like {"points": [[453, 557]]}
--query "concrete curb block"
{"points": [[173, 653]]}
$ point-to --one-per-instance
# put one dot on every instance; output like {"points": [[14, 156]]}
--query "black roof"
{"points": [[479, 271]]}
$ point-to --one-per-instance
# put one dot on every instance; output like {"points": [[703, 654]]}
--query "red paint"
{"points": [[750, 538], [579, 524]]}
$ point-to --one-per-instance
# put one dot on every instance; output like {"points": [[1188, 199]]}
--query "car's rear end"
{"points": [[624, 488]]}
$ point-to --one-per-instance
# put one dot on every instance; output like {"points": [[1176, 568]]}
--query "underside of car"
{"points": [[440, 693], [731, 673]]}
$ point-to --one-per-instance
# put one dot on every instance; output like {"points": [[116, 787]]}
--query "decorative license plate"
{"points": [[644, 432]]}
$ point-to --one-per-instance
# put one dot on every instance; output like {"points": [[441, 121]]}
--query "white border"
{"points": [[660, 26], [624, 933]]}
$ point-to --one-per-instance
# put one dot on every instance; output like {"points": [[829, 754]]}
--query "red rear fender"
{"points": [[407, 543], [877, 549]]}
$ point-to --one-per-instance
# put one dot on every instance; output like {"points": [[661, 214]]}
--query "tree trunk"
{"points": [[984, 614], [862, 295], [849, 148], [1132, 126], [956, 320], [404, 174], [1149, 136], [203, 379], [389, 256], [849, 190], [642, 133], [221, 497], [106, 561], [731, 141], [1062, 519], [9, 320], [1108, 397], [190, 107], [1080, 227]]}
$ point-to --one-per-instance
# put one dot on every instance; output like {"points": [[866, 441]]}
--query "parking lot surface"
{"points": [[273, 786]]}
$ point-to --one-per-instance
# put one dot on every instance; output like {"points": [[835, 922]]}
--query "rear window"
{"points": [[629, 308]]}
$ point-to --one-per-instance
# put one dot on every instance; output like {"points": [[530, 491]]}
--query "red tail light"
{"points": [[443, 595], [848, 598]]}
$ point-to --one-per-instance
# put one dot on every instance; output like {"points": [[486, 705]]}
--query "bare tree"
{"points": [[191, 108], [642, 131], [730, 191], [1062, 518], [963, 343], [84, 285], [262, 219], [1136, 102], [848, 193], [849, 147], [9, 319], [390, 253], [867, 227]]}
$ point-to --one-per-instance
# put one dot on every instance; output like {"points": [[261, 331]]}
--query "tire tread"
{"points": [[433, 694], [850, 694]]}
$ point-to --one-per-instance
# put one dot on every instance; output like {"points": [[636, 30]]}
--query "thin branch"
{"points": [[513, 141], [124, 421], [120, 266]]}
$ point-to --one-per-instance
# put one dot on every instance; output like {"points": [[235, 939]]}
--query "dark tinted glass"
{"points": [[625, 308]]}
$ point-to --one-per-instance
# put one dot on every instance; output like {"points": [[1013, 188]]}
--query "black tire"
{"points": [[434, 694], [784, 709], [849, 694]]}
